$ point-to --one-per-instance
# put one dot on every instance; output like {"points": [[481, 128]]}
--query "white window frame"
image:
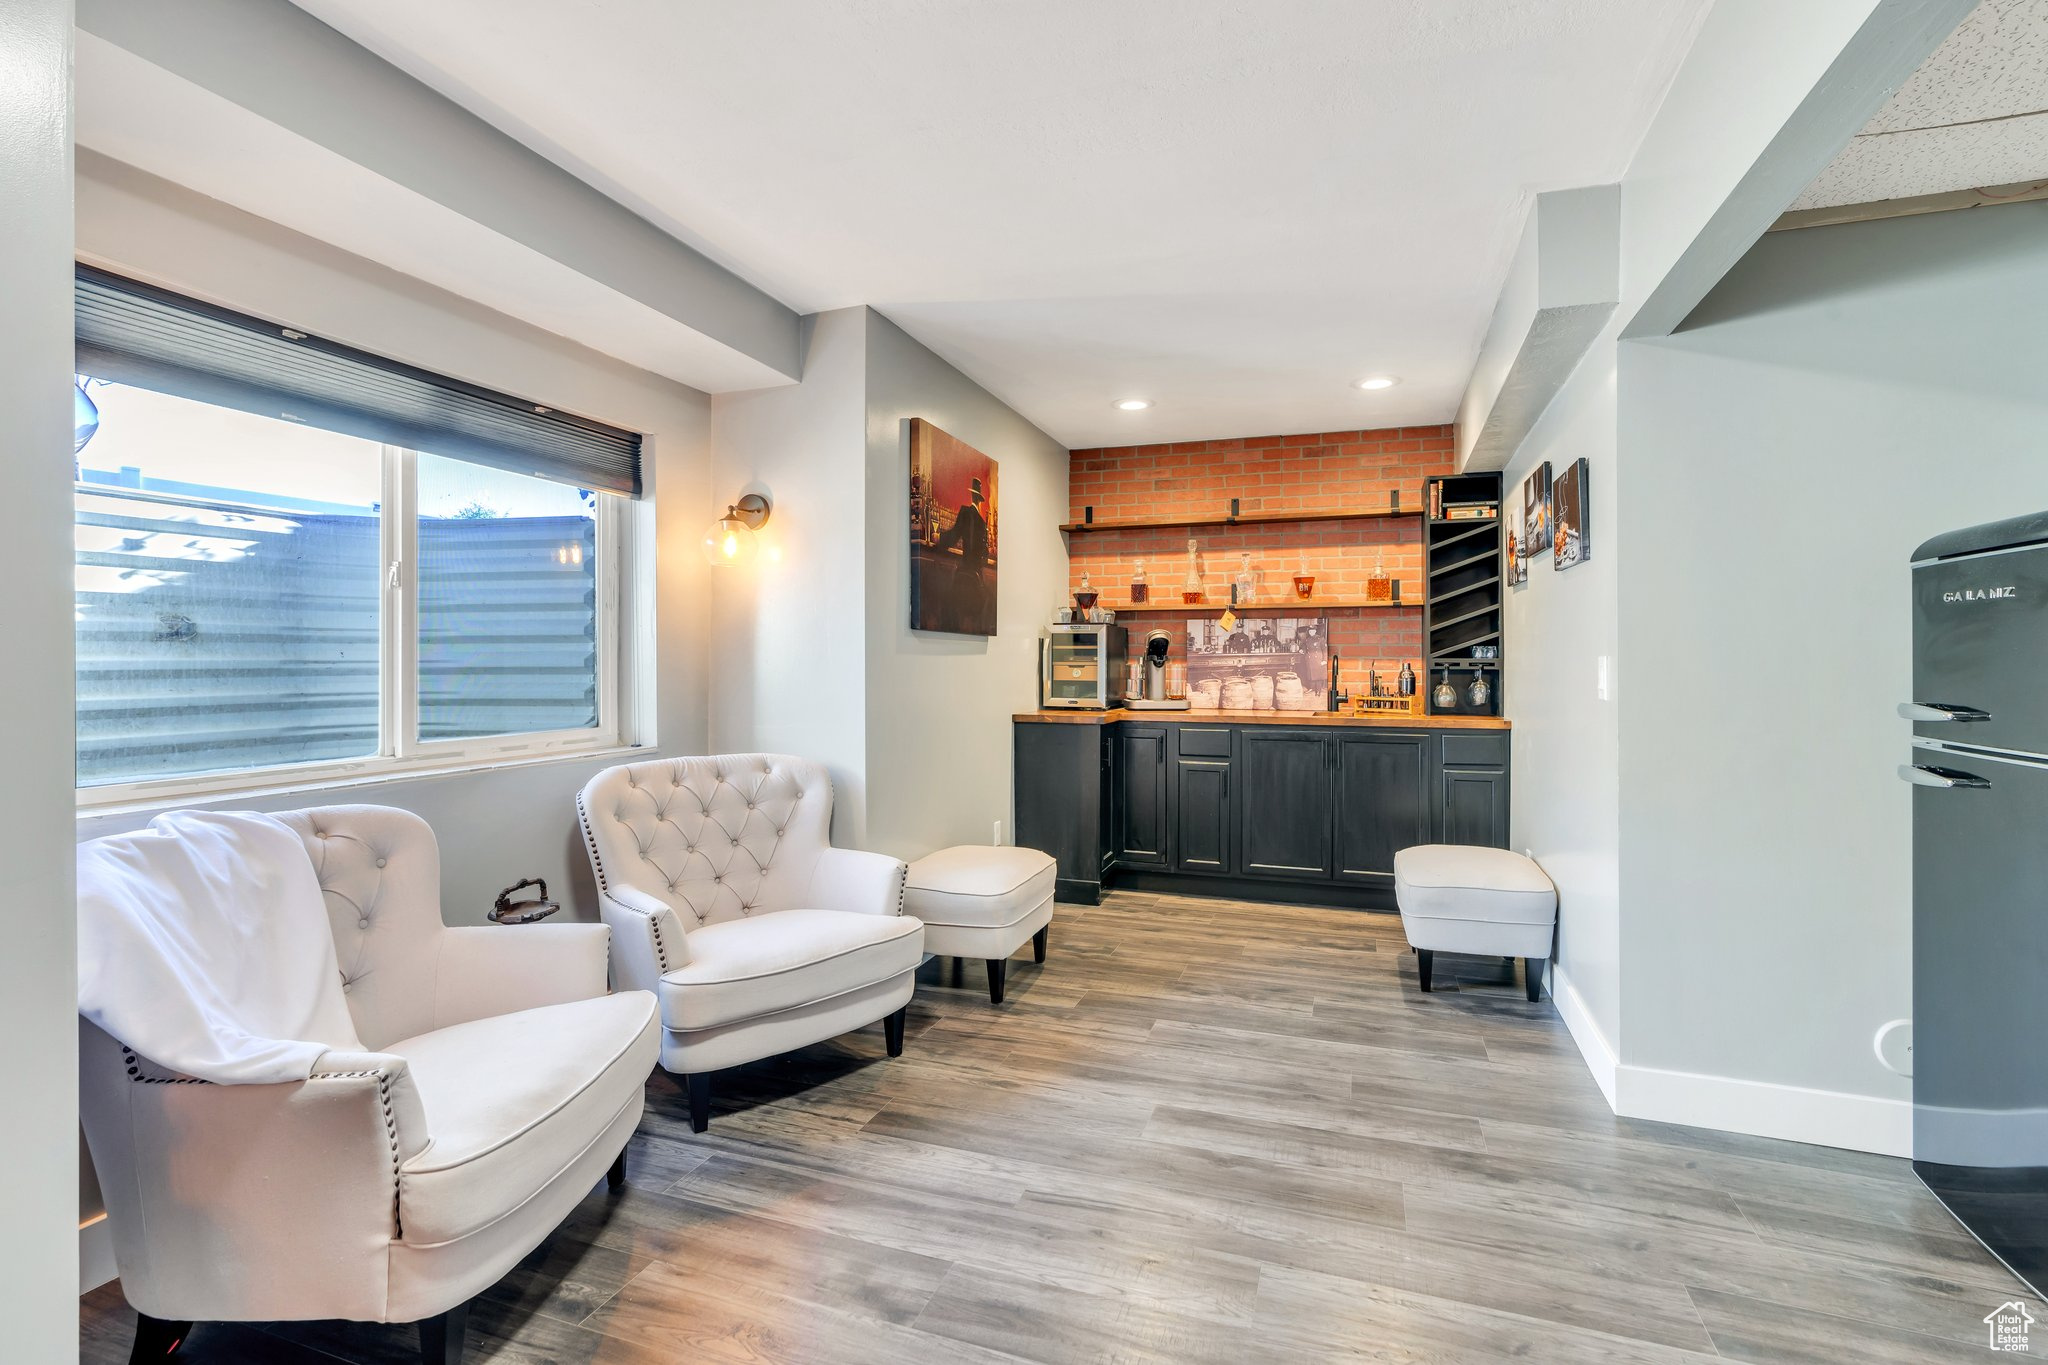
{"points": [[400, 751]]}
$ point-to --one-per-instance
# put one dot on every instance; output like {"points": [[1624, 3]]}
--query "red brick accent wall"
{"points": [[1324, 471]]}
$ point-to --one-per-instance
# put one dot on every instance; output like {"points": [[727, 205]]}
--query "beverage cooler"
{"points": [[1979, 771]]}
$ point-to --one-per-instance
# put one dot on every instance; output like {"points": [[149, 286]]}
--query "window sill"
{"points": [[368, 774]]}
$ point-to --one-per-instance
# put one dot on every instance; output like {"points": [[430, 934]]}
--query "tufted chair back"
{"points": [[714, 837], [380, 871]]}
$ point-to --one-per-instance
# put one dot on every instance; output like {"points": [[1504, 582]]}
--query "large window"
{"points": [[261, 600]]}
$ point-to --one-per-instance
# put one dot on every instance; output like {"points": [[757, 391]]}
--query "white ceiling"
{"points": [[1235, 208], [1975, 114]]}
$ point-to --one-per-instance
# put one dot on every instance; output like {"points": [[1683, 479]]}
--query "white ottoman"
{"points": [[1456, 898], [982, 901]]}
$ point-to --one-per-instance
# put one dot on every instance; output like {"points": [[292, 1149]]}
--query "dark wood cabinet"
{"points": [[1284, 826], [1201, 820], [1474, 808], [1140, 785], [1383, 801], [1293, 812]]}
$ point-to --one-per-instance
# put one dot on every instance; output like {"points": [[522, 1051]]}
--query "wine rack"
{"points": [[1464, 530]]}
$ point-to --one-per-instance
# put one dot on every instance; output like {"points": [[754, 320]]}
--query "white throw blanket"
{"points": [[203, 944]]}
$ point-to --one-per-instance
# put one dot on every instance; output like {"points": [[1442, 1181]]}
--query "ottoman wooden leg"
{"points": [[1532, 977], [1038, 942], [958, 974], [1423, 958], [997, 970]]}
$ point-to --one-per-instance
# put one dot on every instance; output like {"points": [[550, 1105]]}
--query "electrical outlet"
{"points": [[998, 840]]}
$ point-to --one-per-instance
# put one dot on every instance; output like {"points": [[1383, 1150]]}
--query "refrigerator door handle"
{"points": [[1923, 711], [1922, 776]]}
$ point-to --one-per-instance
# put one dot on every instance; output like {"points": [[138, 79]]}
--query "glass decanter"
{"points": [[1191, 586]]}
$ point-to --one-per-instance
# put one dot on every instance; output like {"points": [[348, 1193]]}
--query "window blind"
{"points": [[136, 334]]}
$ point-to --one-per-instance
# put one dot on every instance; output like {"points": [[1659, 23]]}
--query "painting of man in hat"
{"points": [[952, 534]]}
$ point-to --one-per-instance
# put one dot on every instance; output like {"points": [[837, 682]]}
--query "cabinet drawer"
{"points": [[1475, 751], [1201, 741]]}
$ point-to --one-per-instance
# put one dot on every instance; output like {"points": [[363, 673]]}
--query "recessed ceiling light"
{"points": [[1378, 381], [1135, 404]]}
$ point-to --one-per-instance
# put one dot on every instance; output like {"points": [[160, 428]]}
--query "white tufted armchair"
{"points": [[392, 1185], [727, 900]]}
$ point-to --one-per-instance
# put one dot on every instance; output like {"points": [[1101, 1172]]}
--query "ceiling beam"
{"points": [[1887, 48], [288, 68]]}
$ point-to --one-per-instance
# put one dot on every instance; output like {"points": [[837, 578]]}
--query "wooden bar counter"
{"points": [[1255, 805]]}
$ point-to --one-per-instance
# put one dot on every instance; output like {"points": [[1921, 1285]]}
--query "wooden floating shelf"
{"points": [[1244, 519], [1180, 608]]}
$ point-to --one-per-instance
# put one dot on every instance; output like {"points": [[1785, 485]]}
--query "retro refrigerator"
{"points": [[1979, 771]]}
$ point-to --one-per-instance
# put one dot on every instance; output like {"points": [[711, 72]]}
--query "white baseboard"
{"points": [[1593, 1044], [95, 1254], [1826, 1118]]}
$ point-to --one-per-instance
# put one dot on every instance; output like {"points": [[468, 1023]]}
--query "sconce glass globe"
{"points": [[729, 542]]}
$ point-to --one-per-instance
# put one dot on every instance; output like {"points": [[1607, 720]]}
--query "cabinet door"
{"points": [[1475, 807], [1284, 803], [1140, 765], [1202, 815], [1382, 801], [1058, 789]]}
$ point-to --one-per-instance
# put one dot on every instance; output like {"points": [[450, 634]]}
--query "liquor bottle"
{"points": [[1191, 586], [1141, 591], [1246, 580], [1304, 581], [1379, 587]]}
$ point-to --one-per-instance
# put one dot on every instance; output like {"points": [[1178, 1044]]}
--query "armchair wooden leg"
{"points": [[156, 1339], [443, 1335], [615, 1178], [997, 970], [959, 974], [1424, 957], [1532, 977], [699, 1086], [892, 1030], [1038, 942]]}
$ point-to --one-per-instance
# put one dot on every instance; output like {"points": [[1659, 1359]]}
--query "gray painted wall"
{"points": [[1845, 393], [815, 654], [786, 674], [939, 706], [39, 1116]]}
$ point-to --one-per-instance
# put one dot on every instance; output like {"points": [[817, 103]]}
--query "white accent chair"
{"points": [[394, 1185], [727, 900], [1459, 898]]}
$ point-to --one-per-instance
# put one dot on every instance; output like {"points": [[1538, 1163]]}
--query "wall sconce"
{"points": [[730, 541]]}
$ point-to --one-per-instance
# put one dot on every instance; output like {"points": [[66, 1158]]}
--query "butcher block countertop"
{"points": [[1118, 713]]}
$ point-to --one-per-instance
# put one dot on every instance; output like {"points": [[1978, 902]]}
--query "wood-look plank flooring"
{"points": [[1206, 1131]]}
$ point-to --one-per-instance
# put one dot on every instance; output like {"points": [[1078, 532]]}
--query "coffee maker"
{"points": [[1152, 689]]}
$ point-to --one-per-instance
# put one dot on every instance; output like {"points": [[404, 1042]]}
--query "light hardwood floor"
{"points": [[1207, 1132]]}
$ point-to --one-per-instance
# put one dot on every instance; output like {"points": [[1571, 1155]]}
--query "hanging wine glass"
{"points": [[1445, 696], [1480, 689]]}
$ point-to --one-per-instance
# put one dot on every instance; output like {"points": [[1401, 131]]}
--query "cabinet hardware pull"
{"points": [[1921, 775], [1927, 712]]}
